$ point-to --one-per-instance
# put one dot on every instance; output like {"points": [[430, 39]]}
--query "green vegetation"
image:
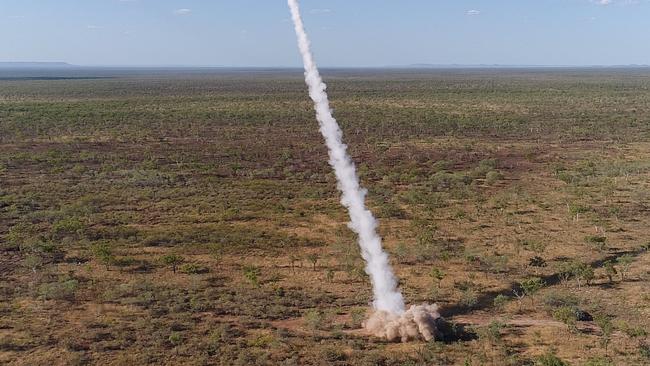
{"points": [[550, 359], [172, 260], [104, 254], [252, 274], [606, 326]]}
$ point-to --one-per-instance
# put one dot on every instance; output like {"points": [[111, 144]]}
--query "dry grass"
{"points": [[474, 175]]}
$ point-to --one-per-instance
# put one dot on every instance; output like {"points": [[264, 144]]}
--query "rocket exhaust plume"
{"points": [[389, 318]]}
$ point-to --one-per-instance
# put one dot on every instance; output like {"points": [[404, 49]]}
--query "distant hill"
{"points": [[34, 65]]}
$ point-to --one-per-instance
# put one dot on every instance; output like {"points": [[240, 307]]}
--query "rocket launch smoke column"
{"points": [[386, 295]]}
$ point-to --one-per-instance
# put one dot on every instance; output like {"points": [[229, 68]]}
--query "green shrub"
{"points": [[61, 290], [550, 359], [252, 274], [315, 319], [500, 301], [624, 263], [492, 177], [104, 254], [33, 262], [172, 260], [598, 241], [437, 275], [468, 298], [193, 268], [484, 167], [581, 272], [21, 235], [175, 338], [261, 340], [68, 226], [567, 315], [492, 332], [610, 271]]}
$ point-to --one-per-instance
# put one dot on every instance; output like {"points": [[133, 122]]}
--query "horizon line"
{"points": [[62, 64]]}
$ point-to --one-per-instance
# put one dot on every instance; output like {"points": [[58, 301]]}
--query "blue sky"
{"points": [[343, 32]]}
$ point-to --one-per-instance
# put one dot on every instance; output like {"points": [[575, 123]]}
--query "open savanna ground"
{"points": [[192, 219]]}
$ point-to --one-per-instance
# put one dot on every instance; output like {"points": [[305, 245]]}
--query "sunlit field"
{"points": [[191, 217]]}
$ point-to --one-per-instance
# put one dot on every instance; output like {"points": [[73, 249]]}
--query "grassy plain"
{"points": [[191, 218]]}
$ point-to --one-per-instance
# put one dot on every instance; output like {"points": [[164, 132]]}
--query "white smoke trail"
{"points": [[386, 296], [389, 319]]}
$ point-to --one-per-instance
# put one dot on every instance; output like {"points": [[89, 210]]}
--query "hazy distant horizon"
{"points": [[67, 65], [345, 34]]}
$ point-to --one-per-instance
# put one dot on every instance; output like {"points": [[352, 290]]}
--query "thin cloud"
{"points": [[473, 12], [616, 2], [320, 11], [94, 27], [183, 11], [610, 2]]}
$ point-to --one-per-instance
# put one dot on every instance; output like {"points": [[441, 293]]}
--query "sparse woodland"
{"points": [[193, 219]]}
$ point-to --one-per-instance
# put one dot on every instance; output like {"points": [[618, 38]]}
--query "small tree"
{"points": [[565, 272], [437, 275], [531, 286], [172, 260], [293, 259], [520, 296], [607, 328], [610, 271], [33, 262], [329, 274], [104, 254], [624, 263], [313, 258], [581, 272]]}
